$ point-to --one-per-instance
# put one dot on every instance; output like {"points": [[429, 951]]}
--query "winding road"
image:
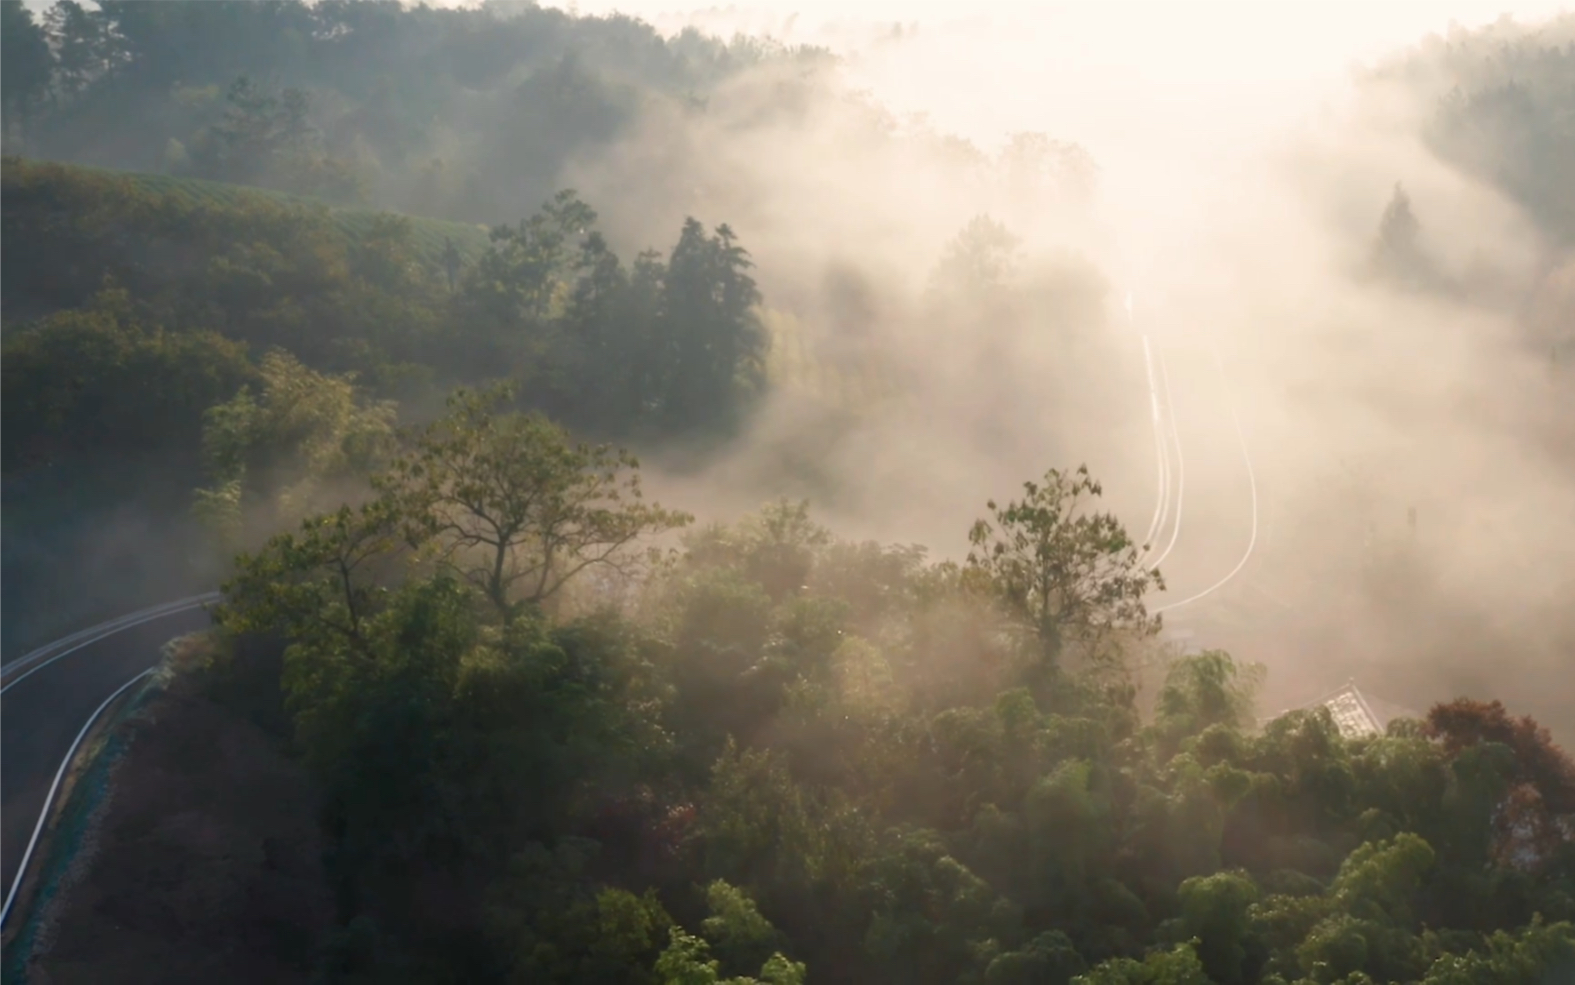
{"points": [[47, 699], [1213, 482]]}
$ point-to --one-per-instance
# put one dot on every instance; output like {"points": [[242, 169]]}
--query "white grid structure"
{"points": [[1355, 714], [1352, 715]]}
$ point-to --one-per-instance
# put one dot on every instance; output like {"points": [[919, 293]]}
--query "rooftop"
{"points": [[1356, 715]]}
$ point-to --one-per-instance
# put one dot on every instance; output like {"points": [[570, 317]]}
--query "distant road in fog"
{"points": [[48, 696], [1204, 473], [1243, 468]]}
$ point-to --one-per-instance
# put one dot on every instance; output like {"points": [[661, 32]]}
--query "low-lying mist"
{"points": [[1409, 437], [1345, 232]]}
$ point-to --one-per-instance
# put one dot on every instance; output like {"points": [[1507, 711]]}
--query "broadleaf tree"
{"points": [[516, 508]]}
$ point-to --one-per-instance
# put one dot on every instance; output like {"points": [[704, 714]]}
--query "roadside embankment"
{"points": [[188, 852]]}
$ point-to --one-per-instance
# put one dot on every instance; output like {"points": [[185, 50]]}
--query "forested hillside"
{"points": [[543, 301], [1497, 105], [462, 113], [550, 752], [299, 301], [157, 304], [1503, 111]]}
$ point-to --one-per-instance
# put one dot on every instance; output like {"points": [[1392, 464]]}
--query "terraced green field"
{"points": [[429, 234]]}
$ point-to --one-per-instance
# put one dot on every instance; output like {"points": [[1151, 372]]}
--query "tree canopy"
{"points": [[778, 756]]}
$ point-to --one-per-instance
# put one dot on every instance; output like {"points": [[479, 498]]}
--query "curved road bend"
{"points": [[41, 714], [1220, 487]]}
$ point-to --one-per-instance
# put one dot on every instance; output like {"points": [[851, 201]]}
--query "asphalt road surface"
{"points": [[41, 715]]}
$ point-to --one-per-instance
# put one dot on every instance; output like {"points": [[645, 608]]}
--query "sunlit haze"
{"points": [[931, 493], [1166, 96], [1242, 166]]}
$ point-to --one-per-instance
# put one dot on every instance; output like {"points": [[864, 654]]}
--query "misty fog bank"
{"points": [[1246, 219], [1227, 165]]}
